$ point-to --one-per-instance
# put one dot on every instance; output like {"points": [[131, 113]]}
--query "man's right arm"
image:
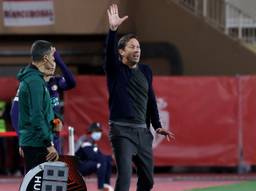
{"points": [[38, 120], [111, 61], [36, 105], [115, 21]]}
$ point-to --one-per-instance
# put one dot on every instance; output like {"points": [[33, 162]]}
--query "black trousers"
{"points": [[34, 156], [132, 145]]}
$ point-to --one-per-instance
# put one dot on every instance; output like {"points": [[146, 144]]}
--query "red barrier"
{"points": [[248, 117], [8, 134], [207, 114], [203, 118], [8, 87], [14, 134], [203, 114], [88, 103]]}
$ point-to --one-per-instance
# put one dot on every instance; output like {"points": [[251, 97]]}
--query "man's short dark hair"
{"points": [[39, 49], [124, 40]]}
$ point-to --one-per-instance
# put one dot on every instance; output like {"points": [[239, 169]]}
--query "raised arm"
{"points": [[111, 61], [68, 81], [113, 17]]}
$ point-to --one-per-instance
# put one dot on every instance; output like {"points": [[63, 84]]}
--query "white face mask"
{"points": [[96, 136]]}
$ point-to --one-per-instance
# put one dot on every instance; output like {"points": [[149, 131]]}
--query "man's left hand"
{"points": [[169, 135]]}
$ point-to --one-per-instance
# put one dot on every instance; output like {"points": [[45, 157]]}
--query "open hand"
{"points": [[52, 154], [169, 135], [113, 17]]}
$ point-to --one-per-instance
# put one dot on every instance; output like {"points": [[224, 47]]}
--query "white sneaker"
{"points": [[108, 187]]}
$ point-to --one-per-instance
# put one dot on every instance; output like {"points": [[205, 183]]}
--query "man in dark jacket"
{"points": [[35, 110], [132, 105]]}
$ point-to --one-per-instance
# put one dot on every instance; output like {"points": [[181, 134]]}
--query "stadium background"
{"points": [[204, 82]]}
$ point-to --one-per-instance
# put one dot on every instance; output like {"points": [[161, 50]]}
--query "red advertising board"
{"points": [[247, 109], [201, 111], [213, 118]]}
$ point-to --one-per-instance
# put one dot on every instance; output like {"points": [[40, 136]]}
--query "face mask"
{"points": [[96, 136]]}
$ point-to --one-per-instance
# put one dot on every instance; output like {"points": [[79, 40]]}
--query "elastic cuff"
{"points": [[49, 143]]}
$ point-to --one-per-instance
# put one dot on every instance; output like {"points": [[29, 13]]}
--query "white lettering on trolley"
{"points": [[37, 183]]}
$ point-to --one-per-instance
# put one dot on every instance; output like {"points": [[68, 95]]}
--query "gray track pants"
{"points": [[132, 145]]}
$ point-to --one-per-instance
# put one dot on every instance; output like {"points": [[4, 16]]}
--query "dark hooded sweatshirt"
{"points": [[35, 110]]}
